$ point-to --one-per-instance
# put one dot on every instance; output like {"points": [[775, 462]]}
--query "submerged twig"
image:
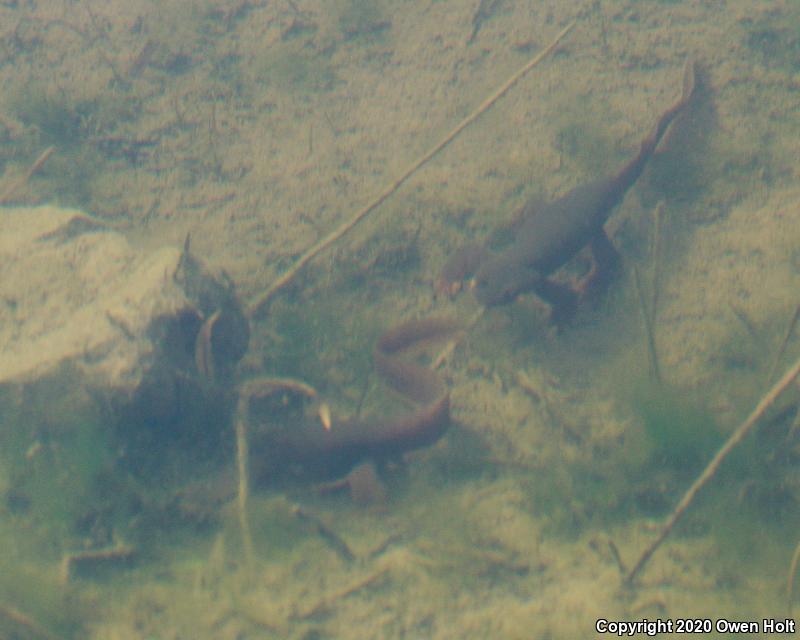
{"points": [[203, 348], [736, 437], [9, 191], [243, 488], [649, 312], [784, 343], [655, 281], [80, 563], [333, 539], [266, 385], [259, 387], [485, 10], [655, 371], [328, 601], [612, 547], [24, 621], [337, 233], [747, 323], [790, 579]]}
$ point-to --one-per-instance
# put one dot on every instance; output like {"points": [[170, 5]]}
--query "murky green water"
{"points": [[256, 129]]}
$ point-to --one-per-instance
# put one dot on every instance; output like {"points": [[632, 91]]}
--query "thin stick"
{"points": [[266, 385], [329, 602], [735, 438], [78, 563], [24, 621], [747, 323], [656, 258], [333, 539], [16, 186], [790, 580], [648, 328], [612, 547], [256, 387], [244, 492], [782, 349], [337, 233]]}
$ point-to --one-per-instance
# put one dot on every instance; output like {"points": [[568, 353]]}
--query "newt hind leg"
{"points": [[606, 262], [562, 298]]}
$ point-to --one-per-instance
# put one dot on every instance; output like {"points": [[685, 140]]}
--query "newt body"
{"points": [[332, 453], [551, 235]]}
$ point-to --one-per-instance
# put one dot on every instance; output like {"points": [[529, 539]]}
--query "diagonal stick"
{"points": [[12, 188], [735, 438], [337, 233]]}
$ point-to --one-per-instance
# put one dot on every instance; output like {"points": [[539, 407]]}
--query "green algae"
{"points": [[680, 432]]}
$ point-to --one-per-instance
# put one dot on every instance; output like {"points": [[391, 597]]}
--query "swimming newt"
{"points": [[549, 236]]}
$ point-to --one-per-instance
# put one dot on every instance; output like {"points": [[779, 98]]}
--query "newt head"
{"points": [[458, 270]]}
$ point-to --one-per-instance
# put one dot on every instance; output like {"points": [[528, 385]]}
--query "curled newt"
{"points": [[330, 453], [549, 236]]}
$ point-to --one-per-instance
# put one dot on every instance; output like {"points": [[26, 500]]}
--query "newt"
{"points": [[548, 236], [327, 453]]}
